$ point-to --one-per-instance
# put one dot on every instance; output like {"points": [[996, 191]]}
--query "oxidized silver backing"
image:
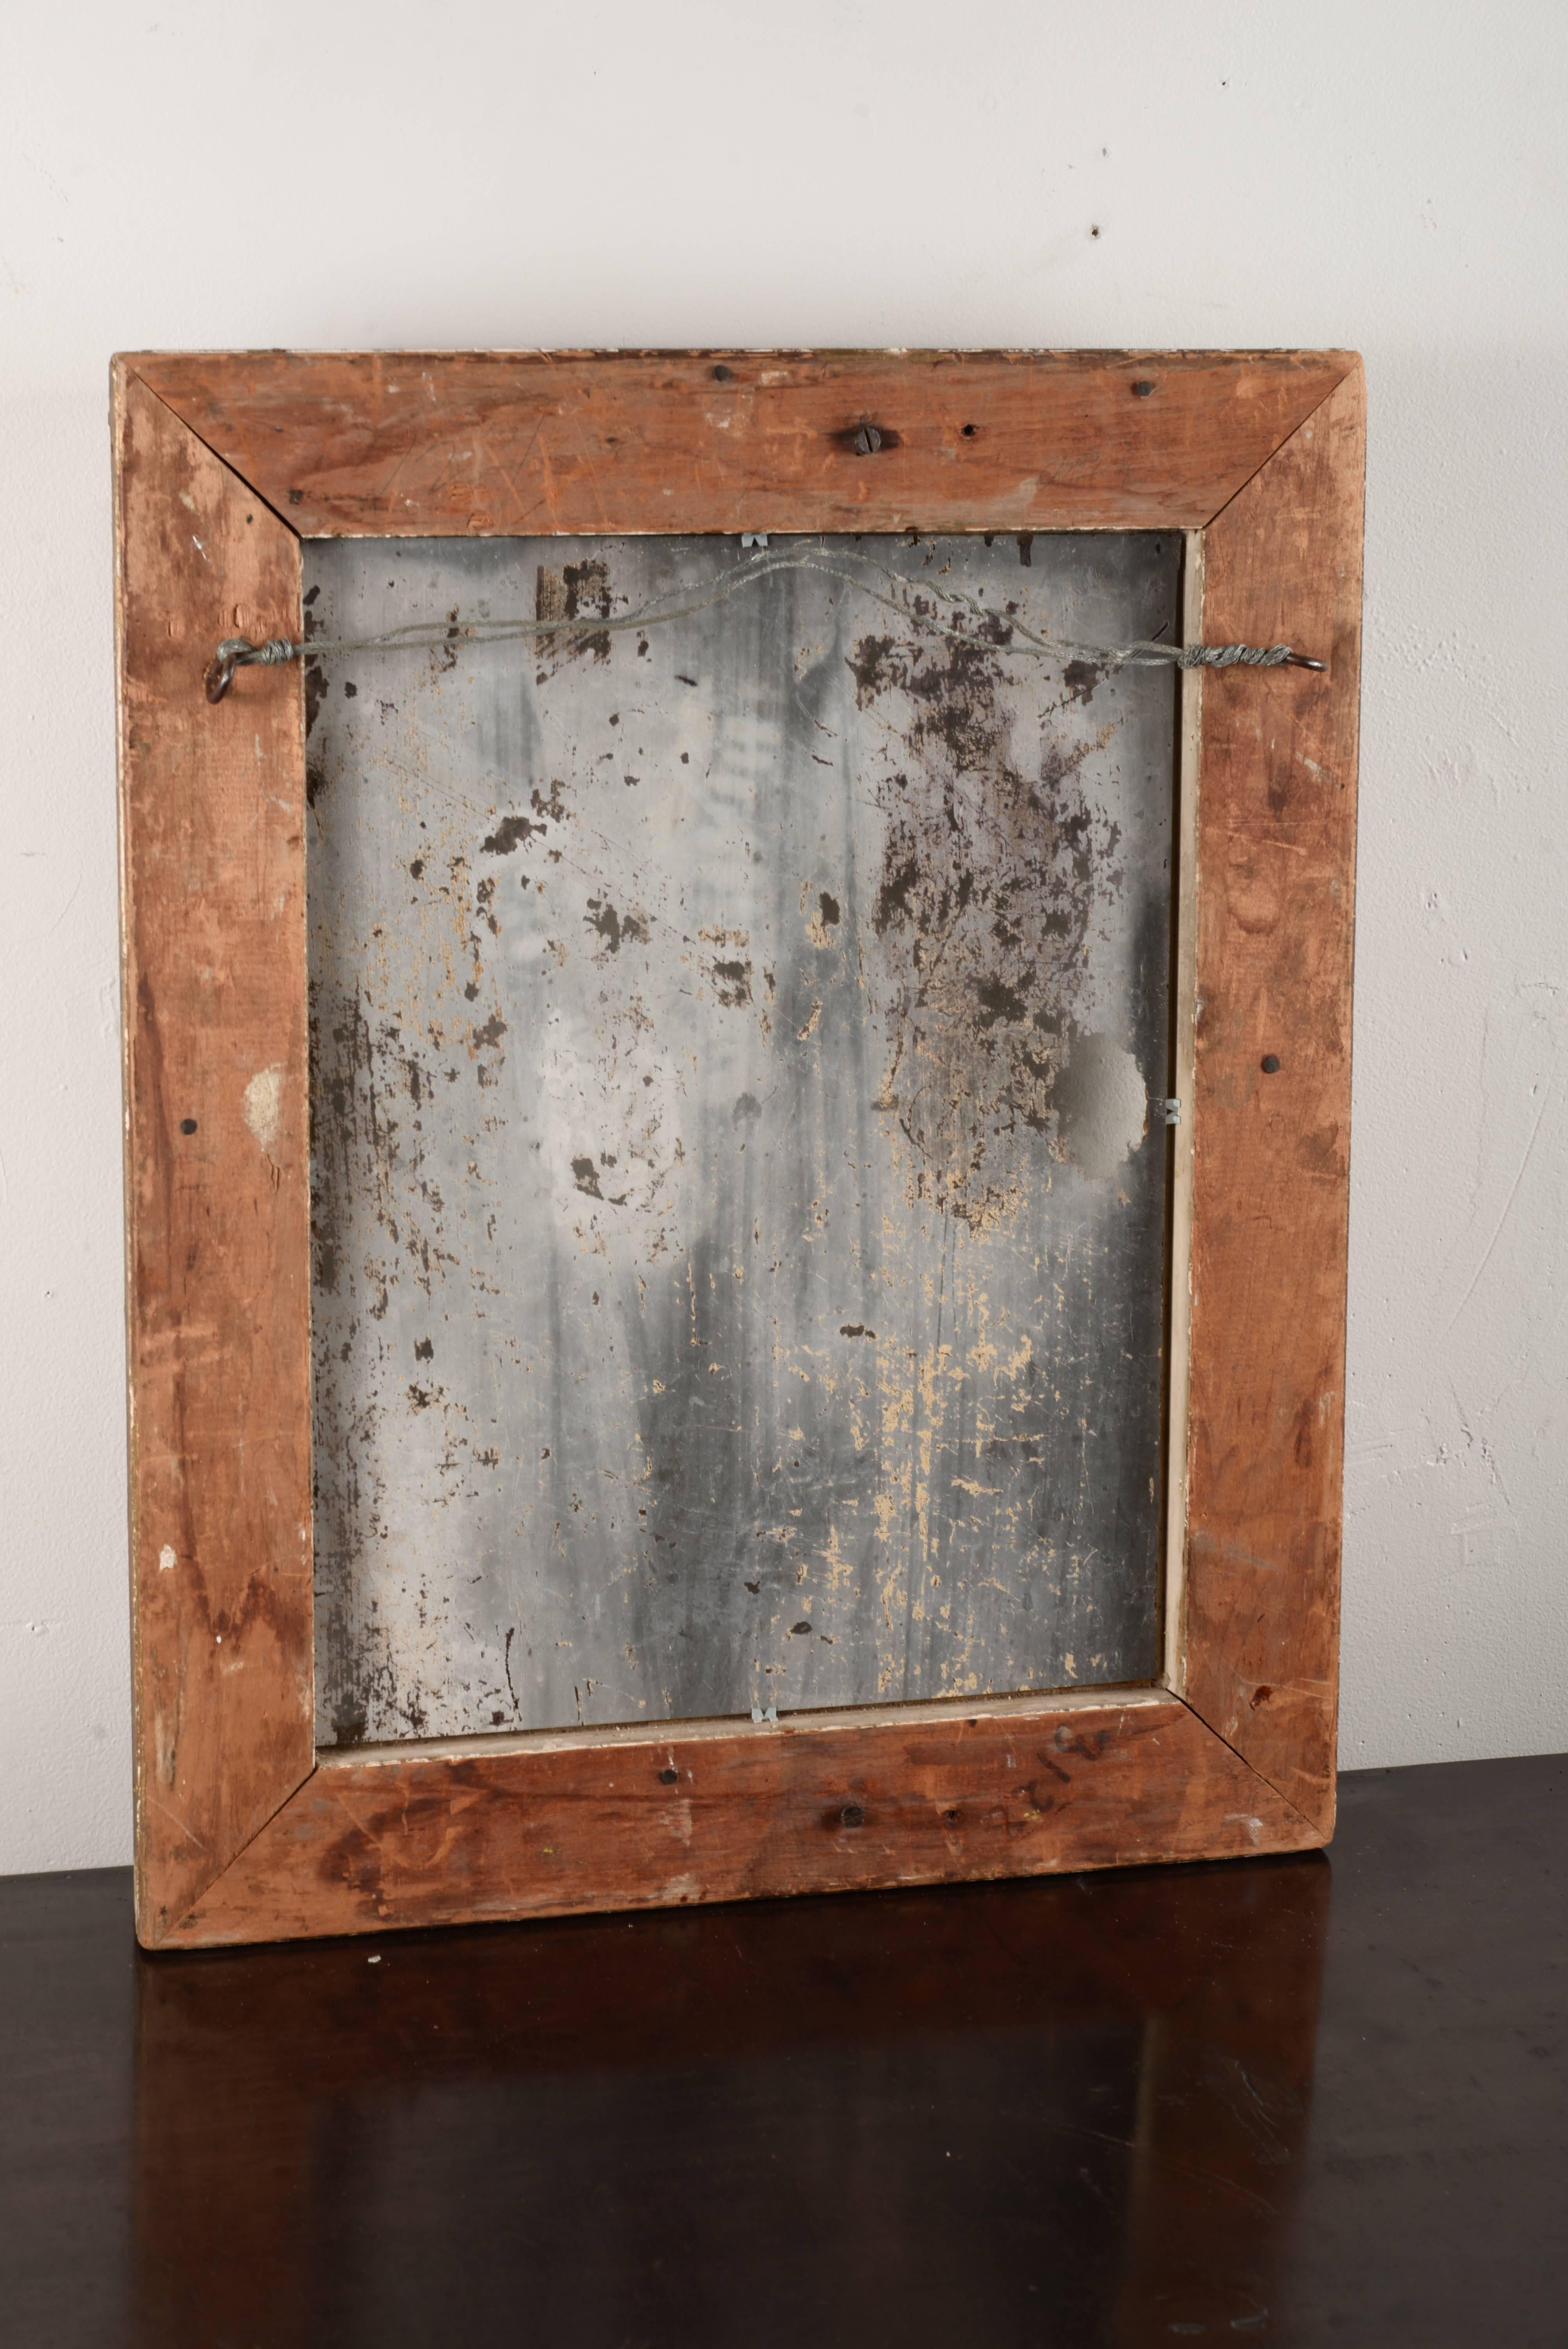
{"points": [[739, 1217]]}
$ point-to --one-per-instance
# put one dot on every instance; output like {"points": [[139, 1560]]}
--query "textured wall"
{"points": [[1389, 178]]}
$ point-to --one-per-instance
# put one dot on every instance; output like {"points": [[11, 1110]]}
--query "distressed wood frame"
{"points": [[223, 462]]}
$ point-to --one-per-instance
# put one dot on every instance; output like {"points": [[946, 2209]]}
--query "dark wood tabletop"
{"points": [[1303, 2100]]}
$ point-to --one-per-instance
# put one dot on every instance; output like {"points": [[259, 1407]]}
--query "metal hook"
{"points": [[238, 652]]}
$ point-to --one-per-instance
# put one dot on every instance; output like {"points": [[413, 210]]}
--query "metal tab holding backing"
{"points": [[1170, 1109]]}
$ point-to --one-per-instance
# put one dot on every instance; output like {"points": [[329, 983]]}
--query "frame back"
{"points": [[245, 1830]]}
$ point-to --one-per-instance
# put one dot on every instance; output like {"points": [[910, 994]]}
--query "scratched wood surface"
{"points": [[482, 442], [382, 1839], [212, 806], [1277, 872], [739, 1225]]}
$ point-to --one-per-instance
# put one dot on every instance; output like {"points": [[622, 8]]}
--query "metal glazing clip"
{"points": [[1169, 1109]]}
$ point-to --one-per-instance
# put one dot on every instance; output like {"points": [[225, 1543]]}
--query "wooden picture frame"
{"points": [[243, 1831]]}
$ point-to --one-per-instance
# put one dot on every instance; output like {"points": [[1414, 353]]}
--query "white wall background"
{"points": [[1388, 175]]}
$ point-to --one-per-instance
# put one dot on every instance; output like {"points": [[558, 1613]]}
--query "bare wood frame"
{"points": [[223, 462]]}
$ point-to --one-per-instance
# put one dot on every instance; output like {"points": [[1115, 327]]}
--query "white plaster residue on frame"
{"points": [[264, 1105]]}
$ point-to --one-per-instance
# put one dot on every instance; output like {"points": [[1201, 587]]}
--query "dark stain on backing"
{"points": [[509, 833], [612, 926], [991, 874], [732, 984], [573, 593]]}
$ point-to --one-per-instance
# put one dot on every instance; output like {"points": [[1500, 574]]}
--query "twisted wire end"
{"points": [[1245, 656], [238, 652]]}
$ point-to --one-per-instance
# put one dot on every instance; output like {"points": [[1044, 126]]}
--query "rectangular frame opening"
{"points": [[743, 1205]]}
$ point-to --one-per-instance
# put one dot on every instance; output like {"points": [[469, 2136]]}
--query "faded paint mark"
{"points": [[1102, 1105], [264, 1105]]}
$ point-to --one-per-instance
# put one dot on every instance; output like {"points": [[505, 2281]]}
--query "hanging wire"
{"points": [[1006, 631]]}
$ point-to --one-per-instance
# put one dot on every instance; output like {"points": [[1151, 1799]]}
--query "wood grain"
{"points": [[534, 1828], [452, 443], [1276, 833], [211, 805]]}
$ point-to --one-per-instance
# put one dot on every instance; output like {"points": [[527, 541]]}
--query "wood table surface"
{"points": [[1306, 2099]]}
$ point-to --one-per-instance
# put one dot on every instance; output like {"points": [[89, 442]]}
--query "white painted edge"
{"points": [[663, 1735], [1185, 1024]]}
